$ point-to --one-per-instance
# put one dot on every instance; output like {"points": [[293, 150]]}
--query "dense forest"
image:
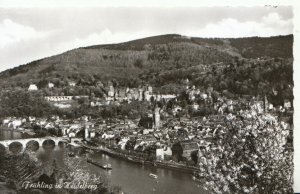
{"points": [[135, 58], [242, 66]]}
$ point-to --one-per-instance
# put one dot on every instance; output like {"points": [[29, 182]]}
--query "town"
{"points": [[168, 131], [227, 124]]}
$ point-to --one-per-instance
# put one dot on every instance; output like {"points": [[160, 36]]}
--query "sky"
{"points": [[32, 31]]}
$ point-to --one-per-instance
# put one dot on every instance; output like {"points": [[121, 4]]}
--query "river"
{"points": [[133, 178]]}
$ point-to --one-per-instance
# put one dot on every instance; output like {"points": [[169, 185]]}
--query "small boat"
{"points": [[153, 175], [105, 166]]}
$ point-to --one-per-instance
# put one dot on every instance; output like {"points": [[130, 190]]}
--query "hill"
{"points": [[144, 60]]}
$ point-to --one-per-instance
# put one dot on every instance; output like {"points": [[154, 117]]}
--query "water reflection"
{"points": [[10, 134]]}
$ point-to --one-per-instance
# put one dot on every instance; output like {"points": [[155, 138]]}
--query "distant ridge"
{"points": [[137, 57]]}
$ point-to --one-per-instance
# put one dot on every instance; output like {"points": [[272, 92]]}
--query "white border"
{"points": [[196, 3]]}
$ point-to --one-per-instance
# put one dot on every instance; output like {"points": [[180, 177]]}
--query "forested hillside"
{"points": [[165, 62]]}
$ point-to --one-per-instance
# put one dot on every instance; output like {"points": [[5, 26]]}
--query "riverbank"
{"points": [[134, 159]]}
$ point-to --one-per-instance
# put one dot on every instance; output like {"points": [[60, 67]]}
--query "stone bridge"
{"points": [[23, 144]]}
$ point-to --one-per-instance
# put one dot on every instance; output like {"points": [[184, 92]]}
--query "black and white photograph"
{"points": [[104, 97]]}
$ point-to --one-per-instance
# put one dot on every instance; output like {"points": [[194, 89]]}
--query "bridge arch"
{"points": [[32, 145], [15, 147], [48, 144], [2, 149], [62, 144]]}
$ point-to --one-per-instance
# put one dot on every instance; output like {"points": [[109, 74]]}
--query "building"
{"points": [[156, 117], [50, 85], [287, 104], [72, 83], [184, 150], [146, 121], [147, 96], [195, 106], [58, 98], [150, 89], [32, 87], [141, 94], [111, 91], [258, 106], [163, 153]]}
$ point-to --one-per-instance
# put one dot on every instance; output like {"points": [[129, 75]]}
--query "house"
{"points": [[188, 148], [15, 123], [111, 91], [147, 96], [287, 104], [149, 140], [108, 136], [167, 97], [97, 103], [258, 106], [49, 125], [71, 134], [32, 87], [176, 109], [72, 83], [183, 150], [147, 131], [195, 106], [31, 118], [203, 96], [146, 121], [150, 89], [122, 94], [122, 143], [134, 94], [163, 153], [58, 98], [50, 85], [230, 108]]}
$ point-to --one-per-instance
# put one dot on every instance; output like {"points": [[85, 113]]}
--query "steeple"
{"points": [[156, 116]]}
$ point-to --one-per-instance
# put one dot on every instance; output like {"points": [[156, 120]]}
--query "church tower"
{"points": [[156, 116]]}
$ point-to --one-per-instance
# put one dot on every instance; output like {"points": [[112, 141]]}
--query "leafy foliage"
{"points": [[248, 156], [22, 103]]}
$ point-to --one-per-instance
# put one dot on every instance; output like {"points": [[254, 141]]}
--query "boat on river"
{"points": [[104, 166], [153, 175]]}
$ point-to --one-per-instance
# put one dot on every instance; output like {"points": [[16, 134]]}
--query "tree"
{"points": [[129, 145], [138, 63], [194, 156], [251, 157], [24, 103]]}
